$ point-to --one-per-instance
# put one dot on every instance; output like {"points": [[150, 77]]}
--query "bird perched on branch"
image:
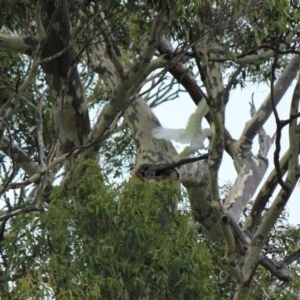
{"points": [[193, 133]]}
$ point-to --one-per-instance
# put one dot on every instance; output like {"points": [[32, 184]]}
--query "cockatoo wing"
{"points": [[178, 135], [193, 126], [198, 142]]}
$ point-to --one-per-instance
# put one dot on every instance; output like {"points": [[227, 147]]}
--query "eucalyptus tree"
{"points": [[79, 80]]}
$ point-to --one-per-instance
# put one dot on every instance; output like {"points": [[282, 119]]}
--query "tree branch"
{"points": [[261, 234], [265, 110], [69, 103], [19, 156], [131, 80], [17, 44], [279, 127]]}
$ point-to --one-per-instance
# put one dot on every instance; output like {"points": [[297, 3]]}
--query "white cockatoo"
{"points": [[192, 134]]}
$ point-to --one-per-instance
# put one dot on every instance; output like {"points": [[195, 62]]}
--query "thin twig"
{"points": [[279, 126]]}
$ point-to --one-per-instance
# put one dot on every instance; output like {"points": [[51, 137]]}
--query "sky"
{"points": [[174, 114]]}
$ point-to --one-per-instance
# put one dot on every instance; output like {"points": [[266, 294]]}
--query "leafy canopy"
{"points": [[92, 242]]}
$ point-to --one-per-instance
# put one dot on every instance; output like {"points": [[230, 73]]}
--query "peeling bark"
{"points": [[249, 177]]}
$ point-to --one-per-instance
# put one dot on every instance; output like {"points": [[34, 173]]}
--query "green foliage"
{"points": [[17, 15], [283, 240], [117, 154], [93, 241], [90, 244]]}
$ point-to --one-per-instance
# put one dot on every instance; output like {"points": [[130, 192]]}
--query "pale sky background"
{"points": [[174, 114]]}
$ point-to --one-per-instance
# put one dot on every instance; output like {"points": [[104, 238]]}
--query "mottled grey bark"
{"points": [[20, 157], [67, 95]]}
